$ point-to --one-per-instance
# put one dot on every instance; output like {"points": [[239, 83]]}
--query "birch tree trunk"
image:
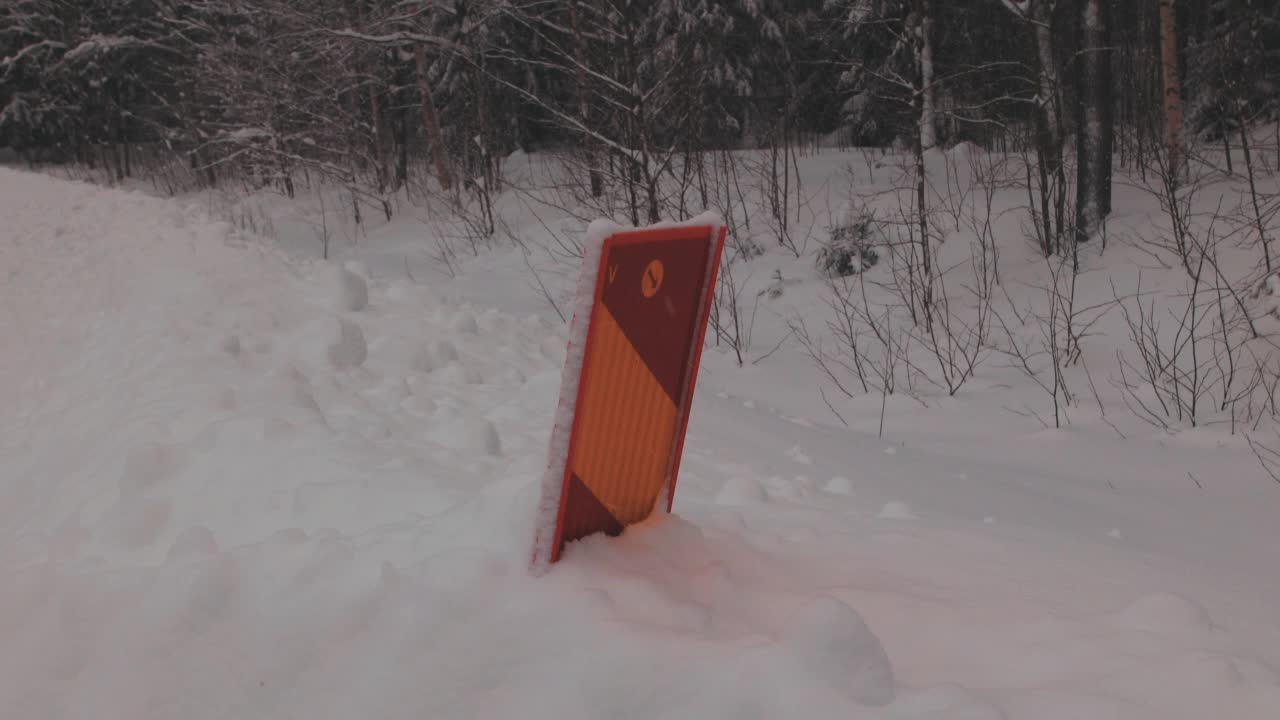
{"points": [[431, 123], [1048, 98], [926, 138], [1095, 127], [924, 58], [1038, 16]]}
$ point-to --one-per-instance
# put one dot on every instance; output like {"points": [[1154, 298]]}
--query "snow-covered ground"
{"points": [[239, 484]]}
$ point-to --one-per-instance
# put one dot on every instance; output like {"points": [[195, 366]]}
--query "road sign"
{"points": [[647, 319]]}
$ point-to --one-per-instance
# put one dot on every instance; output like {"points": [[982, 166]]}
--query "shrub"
{"points": [[850, 249]]}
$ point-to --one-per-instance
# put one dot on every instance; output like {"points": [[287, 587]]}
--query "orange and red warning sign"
{"points": [[648, 317]]}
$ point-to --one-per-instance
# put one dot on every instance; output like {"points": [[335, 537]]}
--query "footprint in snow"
{"points": [[832, 643], [840, 485], [740, 491], [896, 510], [1166, 613], [465, 323], [799, 455], [195, 541]]}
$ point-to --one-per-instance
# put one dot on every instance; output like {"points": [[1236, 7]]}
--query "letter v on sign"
{"points": [[648, 318]]}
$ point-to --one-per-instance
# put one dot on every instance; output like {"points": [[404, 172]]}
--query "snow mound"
{"points": [[193, 542], [484, 437], [445, 352], [457, 374], [136, 523], [964, 151], [333, 341], [203, 515], [1060, 705], [649, 605], [149, 466], [896, 510], [436, 355], [474, 434], [1166, 612], [832, 642], [465, 322], [740, 491], [839, 485], [945, 701], [798, 454], [346, 288]]}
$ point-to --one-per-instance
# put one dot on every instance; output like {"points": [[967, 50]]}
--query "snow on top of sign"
{"points": [[600, 230]]}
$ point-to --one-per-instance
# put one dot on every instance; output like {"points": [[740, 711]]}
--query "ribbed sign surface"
{"points": [[653, 294]]}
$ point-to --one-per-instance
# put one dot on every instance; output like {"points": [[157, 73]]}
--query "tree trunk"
{"points": [[1047, 91], [1106, 103], [580, 60], [1172, 86], [1253, 191], [119, 164], [431, 123], [381, 164], [924, 59], [122, 135], [1047, 79], [402, 128], [1049, 136], [1226, 149], [1095, 127], [926, 139], [1038, 15]]}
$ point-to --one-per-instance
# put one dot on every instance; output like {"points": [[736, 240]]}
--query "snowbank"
{"points": [[215, 502]]}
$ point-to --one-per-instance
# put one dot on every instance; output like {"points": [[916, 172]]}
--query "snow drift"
{"points": [[239, 486]]}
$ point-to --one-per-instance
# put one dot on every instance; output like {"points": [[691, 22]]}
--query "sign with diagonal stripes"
{"points": [[647, 320]]}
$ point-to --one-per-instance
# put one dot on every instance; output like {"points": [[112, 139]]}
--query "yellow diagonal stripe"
{"points": [[626, 426]]}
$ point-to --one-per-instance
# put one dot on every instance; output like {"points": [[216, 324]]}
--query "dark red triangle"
{"points": [[585, 515], [660, 328]]}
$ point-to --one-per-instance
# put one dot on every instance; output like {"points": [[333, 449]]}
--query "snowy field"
{"points": [[237, 481]]}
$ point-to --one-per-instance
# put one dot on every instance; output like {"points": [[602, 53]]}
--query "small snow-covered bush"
{"points": [[746, 247], [850, 249]]}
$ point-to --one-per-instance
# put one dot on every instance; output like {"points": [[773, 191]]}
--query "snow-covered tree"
{"points": [[379, 93]]}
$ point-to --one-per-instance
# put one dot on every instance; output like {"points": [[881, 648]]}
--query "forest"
{"points": [[369, 93], [648, 111]]}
